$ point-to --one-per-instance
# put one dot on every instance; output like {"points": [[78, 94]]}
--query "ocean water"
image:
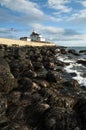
{"points": [[74, 67], [78, 48]]}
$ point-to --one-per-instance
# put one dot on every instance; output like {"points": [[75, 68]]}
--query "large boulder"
{"points": [[72, 83], [7, 80], [63, 51], [29, 73], [37, 66], [53, 76], [80, 109], [57, 118], [74, 52], [82, 51], [83, 62], [33, 116]]}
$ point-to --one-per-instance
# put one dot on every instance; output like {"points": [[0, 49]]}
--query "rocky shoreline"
{"points": [[36, 93]]}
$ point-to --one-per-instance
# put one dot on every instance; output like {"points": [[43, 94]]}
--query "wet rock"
{"points": [[82, 51], [73, 74], [59, 69], [74, 52], [63, 51], [83, 74], [83, 62], [60, 63]]}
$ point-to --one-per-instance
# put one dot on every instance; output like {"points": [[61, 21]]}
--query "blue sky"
{"points": [[59, 21]]}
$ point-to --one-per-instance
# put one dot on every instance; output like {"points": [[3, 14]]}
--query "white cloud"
{"points": [[83, 2], [48, 29], [79, 17], [23, 6], [29, 10], [60, 5], [76, 40], [13, 33], [61, 36]]}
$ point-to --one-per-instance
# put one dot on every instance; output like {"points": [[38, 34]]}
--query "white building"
{"points": [[34, 37], [25, 39]]}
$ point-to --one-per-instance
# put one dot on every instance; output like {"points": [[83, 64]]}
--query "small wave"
{"points": [[74, 67]]}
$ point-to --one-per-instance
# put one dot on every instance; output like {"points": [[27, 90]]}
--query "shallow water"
{"points": [[79, 69]]}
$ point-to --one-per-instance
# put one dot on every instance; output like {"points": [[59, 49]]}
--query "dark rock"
{"points": [[3, 105], [37, 66], [35, 91], [42, 83], [80, 108], [1, 52], [83, 74], [22, 53], [33, 116], [82, 51], [83, 62], [72, 83], [18, 67], [29, 74], [59, 69], [60, 63], [53, 76], [63, 51], [41, 74], [15, 113], [73, 74], [14, 97], [14, 126], [74, 52], [4, 64], [25, 84], [4, 124], [57, 118], [49, 65], [7, 80]]}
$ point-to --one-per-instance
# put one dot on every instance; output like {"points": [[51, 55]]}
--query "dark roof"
{"points": [[23, 37], [34, 33]]}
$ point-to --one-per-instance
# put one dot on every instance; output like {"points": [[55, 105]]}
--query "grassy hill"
{"points": [[11, 42]]}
